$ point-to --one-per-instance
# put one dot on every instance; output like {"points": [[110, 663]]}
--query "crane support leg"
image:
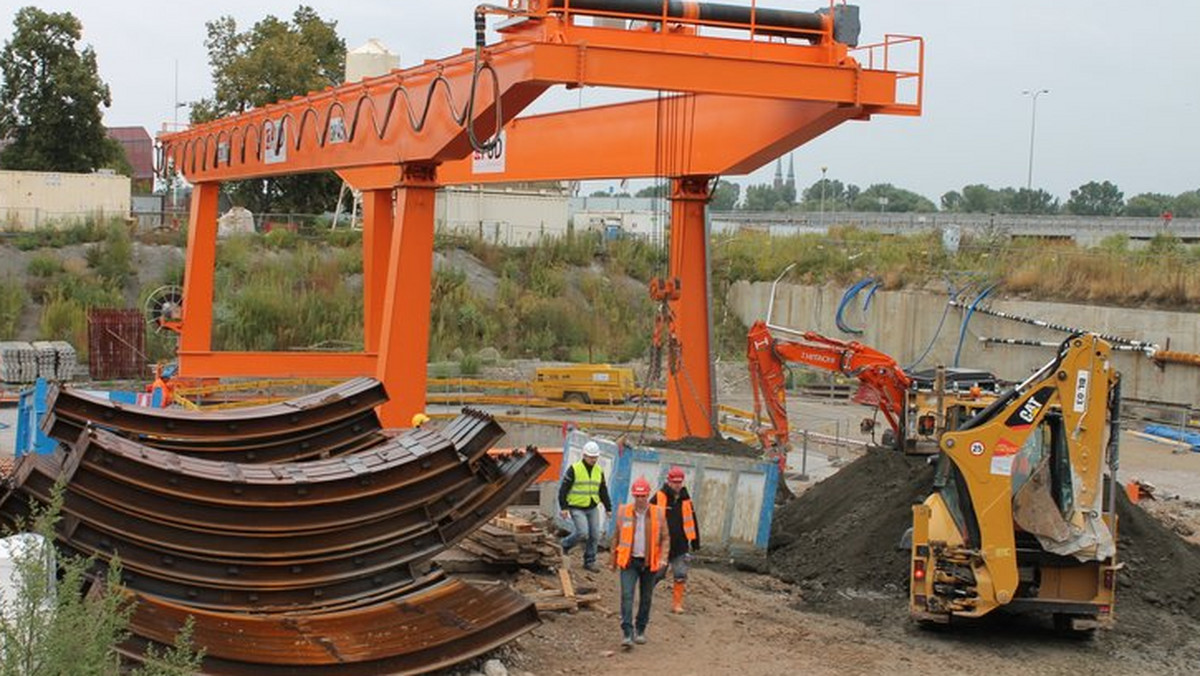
{"points": [[200, 268], [689, 387], [404, 338], [378, 223]]}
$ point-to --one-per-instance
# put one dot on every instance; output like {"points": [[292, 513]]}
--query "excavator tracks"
{"points": [[299, 535]]}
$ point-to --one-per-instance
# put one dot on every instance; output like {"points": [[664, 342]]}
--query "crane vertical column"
{"points": [[378, 223], [404, 338], [200, 269], [690, 404]]}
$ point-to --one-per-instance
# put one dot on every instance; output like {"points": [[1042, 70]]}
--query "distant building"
{"points": [[139, 150]]}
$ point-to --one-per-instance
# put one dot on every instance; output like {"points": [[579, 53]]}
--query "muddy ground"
{"points": [[831, 599]]}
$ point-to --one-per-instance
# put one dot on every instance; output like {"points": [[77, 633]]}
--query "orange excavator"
{"points": [[883, 382]]}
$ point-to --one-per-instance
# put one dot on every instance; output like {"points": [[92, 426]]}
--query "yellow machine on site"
{"points": [[585, 383], [1023, 509]]}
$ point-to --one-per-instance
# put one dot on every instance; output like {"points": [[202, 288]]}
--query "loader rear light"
{"points": [[919, 570], [1110, 579], [1104, 610], [925, 425]]}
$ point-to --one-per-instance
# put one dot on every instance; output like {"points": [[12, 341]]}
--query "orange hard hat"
{"points": [[641, 487], [676, 473]]}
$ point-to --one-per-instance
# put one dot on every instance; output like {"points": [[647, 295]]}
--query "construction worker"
{"points": [[685, 535], [641, 548], [419, 419], [582, 491]]}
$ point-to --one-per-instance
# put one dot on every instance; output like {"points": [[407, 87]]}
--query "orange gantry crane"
{"points": [[736, 87]]}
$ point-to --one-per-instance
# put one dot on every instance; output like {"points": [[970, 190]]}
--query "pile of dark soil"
{"points": [[714, 446], [1162, 570], [839, 540]]}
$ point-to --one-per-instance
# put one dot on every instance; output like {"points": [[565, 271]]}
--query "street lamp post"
{"points": [[823, 170], [1033, 94]]}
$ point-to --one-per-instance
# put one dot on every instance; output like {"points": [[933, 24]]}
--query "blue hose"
{"points": [[962, 332], [847, 297], [938, 332]]}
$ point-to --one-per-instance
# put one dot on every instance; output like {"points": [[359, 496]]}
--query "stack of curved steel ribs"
{"points": [[298, 535]]}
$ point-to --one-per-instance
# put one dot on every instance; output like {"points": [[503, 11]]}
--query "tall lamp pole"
{"points": [[823, 170], [1033, 94]]}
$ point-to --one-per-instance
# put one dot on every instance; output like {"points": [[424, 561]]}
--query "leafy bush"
{"points": [[63, 620], [112, 259], [12, 304], [44, 264]]}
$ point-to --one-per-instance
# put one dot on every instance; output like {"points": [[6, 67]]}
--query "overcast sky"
{"points": [[1123, 103]]}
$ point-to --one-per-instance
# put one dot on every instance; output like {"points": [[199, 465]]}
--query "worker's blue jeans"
{"points": [[636, 577], [586, 523]]}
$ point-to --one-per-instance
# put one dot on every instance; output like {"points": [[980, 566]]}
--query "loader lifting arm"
{"points": [[767, 356], [1020, 515]]}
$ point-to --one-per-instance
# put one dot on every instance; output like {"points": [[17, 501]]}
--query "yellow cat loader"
{"points": [[1023, 509]]}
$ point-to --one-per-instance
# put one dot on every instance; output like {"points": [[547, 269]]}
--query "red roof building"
{"points": [[139, 149]]}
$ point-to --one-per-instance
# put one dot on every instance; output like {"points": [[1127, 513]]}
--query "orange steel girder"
{"points": [[399, 136]]}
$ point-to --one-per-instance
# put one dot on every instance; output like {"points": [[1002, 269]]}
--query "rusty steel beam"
{"points": [[308, 412], [401, 461], [104, 519], [434, 624]]}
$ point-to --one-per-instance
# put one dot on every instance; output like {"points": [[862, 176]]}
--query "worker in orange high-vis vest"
{"points": [[685, 534], [641, 549]]}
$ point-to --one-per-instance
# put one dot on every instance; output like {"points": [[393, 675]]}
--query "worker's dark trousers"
{"points": [[636, 576]]}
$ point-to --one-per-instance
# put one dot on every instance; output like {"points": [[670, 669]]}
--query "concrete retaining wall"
{"points": [[904, 323]]}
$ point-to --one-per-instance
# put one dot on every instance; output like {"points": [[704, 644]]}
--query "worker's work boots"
{"points": [[677, 596]]}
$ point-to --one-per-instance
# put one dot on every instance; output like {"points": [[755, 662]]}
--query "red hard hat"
{"points": [[675, 473], [641, 487]]}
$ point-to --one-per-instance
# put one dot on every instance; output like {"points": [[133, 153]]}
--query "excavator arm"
{"points": [[767, 357]]}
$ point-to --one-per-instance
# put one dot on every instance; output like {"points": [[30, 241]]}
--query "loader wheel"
{"points": [[576, 398]]}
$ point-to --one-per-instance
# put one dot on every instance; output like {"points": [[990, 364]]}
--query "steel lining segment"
{"points": [[441, 493], [436, 625], [303, 413], [389, 467]]}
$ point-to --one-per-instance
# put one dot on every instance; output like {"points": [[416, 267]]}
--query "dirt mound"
{"points": [[838, 542], [839, 539], [714, 446], [1162, 570]]}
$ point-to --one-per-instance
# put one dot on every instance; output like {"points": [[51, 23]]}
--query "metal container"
{"points": [[734, 496]]}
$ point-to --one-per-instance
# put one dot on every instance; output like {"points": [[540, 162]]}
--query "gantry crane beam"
{"points": [[735, 103]]}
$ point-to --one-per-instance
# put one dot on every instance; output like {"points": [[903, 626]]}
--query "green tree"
{"points": [[273, 61], [952, 201], [725, 196], [50, 98], [766, 197], [1186, 204], [656, 190], [832, 197], [1148, 204], [897, 200], [1096, 199], [1025, 201]]}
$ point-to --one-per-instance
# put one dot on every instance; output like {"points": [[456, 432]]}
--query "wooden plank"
{"points": [[564, 576]]}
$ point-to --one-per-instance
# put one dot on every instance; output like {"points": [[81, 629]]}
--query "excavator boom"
{"points": [[768, 356]]}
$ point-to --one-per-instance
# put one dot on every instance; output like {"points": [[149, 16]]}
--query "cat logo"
{"points": [[1024, 416]]}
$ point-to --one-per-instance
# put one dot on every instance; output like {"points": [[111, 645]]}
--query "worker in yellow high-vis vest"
{"points": [[582, 491], [685, 531]]}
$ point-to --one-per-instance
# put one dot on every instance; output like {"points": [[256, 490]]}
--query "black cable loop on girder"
{"points": [[201, 145]]}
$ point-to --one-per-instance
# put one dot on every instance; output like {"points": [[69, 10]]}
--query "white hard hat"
{"points": [[591, 450]]}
